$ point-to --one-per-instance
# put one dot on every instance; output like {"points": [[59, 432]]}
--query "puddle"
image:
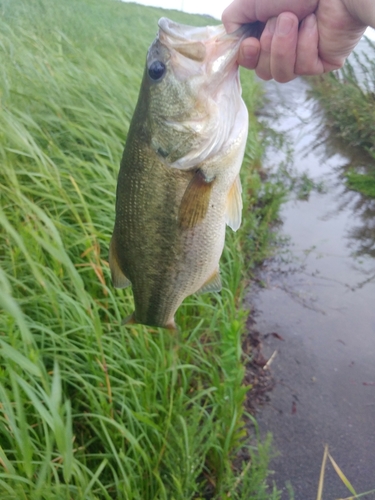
{"points": [[319, 296]]}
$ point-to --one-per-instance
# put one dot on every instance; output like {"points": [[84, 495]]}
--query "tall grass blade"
{"points": [[360, 495], [341, 475], [90, 409], [322, 473]]}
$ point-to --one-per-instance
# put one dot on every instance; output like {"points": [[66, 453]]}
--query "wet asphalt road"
{"points": [[320, 298]]}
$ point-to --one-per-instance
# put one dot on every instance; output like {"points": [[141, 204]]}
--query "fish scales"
{"points": [[178, 184]]}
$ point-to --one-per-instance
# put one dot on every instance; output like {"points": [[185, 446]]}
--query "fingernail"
{"points": [[271, 25], [310, 21], [249, 52], [284, 25]]}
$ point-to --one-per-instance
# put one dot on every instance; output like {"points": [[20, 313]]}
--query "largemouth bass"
{"points": [[178, 185]]}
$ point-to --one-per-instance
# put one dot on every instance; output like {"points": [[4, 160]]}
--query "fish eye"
{"points": [[156, 70]]}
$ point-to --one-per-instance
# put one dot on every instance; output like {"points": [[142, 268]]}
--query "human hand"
{"points": [[301, 37]]}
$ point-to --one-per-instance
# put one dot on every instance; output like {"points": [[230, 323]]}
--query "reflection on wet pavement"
{"points": [[320, 298]]}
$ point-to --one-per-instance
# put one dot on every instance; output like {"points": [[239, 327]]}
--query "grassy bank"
{"points": [[348, 100], [89, 409]]}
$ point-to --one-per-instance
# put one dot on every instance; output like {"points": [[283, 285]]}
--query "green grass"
{"points": [[90, 409], [364, 183], [348, 101]]}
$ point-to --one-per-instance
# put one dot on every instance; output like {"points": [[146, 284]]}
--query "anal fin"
{"points": [[195, 202], [119, 280], [213, 284]]}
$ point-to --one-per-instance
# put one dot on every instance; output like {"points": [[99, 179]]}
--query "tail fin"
{"points": [[130, 320]]}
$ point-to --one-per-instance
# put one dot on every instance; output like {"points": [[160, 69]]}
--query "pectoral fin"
{"points": [[119, 280], [195, 202], [213, 284], [234, 205]]}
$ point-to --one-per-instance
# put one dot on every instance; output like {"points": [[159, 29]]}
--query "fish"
{"points": [[178, 185]]}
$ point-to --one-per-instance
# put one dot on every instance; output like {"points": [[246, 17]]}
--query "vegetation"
{"points": [[90, 409], [341, 475], [348, 100]]}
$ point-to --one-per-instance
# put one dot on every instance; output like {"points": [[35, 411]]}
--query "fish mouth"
{"points": [[211, 44], [183, 32]]}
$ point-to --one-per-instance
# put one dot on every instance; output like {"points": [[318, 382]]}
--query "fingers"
{"points": [[272, 8], [307, 60], [285, 49], [249, 53], [240, 11], [328, 32], [263, 69], [278, 48]]}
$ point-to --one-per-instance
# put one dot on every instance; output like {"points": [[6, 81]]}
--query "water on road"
{"points": [[319, 297]]}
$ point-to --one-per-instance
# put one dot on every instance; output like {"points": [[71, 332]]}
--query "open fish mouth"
{"points": [[186, 33], [206, 43]]}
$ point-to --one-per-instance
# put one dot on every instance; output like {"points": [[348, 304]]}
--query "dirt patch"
{"points": [[258, 374]]}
